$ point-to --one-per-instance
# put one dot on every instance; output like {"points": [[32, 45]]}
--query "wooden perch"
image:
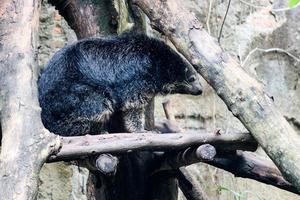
{"points": [[242, 164], [243, 95], [82, 146], [106, 163], [247, 165], [239, 163], [174, 160]]}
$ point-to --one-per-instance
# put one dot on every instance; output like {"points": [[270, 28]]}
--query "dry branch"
{"points": [[107, 164], [81, 146], [190, 187], [248, 165], [26, 144], [243, 95], [175, 160], [241, 164]]}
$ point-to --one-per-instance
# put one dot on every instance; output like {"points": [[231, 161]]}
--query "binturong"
{"points": [[87, 83]]}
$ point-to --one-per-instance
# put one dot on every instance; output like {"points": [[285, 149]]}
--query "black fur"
{"points": [[84, 84]]}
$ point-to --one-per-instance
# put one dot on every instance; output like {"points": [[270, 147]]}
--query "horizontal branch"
{"points": [[241, 164], [247, 165], [82, 146], [177, 159]]}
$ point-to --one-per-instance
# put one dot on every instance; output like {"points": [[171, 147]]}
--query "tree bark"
{"points": [[188, 156], [247, 165], [239, 163], [88, 18], [26, 144], [81, 146], [243, 95], [190, 187]]}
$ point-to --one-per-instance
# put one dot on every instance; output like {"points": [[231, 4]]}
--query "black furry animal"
{"points": [[89, 82]]}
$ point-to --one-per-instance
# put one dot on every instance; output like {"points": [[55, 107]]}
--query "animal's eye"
{"points": [[192, 79]]}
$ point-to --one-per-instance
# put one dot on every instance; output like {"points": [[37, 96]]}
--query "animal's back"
{"points": [[81, 79]]}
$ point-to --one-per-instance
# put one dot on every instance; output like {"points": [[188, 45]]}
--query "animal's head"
{"points": [[176, 74], [182, 81], [187, 83]]}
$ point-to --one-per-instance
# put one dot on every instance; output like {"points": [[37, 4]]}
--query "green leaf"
{"points": [[293, 3]]}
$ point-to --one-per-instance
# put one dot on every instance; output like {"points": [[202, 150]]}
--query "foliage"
{"points": [[294, 3]]}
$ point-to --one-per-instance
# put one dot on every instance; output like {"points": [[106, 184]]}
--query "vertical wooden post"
{"points": [[26, 144]]}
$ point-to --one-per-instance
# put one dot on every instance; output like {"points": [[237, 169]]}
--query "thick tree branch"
{"points": [[82, 146], [247, 165], [190, 187], [241, 164], [175, 160], [26, 144], [243, 95], [88, 18]]}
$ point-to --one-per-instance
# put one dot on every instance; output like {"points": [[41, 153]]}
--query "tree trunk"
{"points": [[243, 95], [88, 18], [26, 144]]}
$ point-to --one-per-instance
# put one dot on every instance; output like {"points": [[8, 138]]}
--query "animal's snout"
{"points": [[195, 85]]}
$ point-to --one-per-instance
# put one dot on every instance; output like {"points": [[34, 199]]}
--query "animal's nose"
{"points": [[198, 92], [197, 87]]}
